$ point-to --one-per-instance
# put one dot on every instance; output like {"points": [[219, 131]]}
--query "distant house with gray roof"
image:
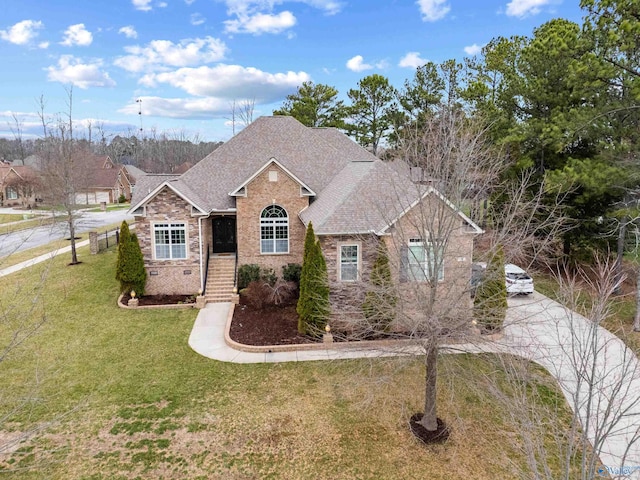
{"points": [[251, 199]]}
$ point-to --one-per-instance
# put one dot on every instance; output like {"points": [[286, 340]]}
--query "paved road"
{"points": [[35, 237]]}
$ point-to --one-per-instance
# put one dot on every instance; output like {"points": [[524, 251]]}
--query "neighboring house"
{"points": [[100, 181], [18, 185], [252, 198], [127, 178]]}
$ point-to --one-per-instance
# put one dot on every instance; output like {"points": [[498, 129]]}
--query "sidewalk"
{"points": [[40, 259]]}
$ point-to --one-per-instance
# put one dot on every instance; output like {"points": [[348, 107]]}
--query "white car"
{"points": [[518, 281]]}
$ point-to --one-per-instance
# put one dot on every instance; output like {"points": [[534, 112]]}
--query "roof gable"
{"points": [[174, 185], [312, 156], [304, 189]]}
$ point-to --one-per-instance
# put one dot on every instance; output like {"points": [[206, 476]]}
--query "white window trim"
{"points": [[427, 246], [358, 245], [288, 225], [186, 240]]}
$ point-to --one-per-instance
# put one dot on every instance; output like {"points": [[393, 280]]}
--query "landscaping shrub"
{"points": [[313, 303], [281, 292], [255, 294], [122, 198], [260, 294], [490, 301], [248, 273], [130, 271], [381, 298], [291, 272], [269, 276]]}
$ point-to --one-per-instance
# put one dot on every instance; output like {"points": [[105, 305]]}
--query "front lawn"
{"points": [[130, 399]]}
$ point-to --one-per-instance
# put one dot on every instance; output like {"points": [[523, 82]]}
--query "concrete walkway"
{"points": [[598, 375], [40, 259]]}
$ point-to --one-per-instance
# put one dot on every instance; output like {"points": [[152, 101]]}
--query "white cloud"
{"points": [[188, 108], [22, 33], [43, 45], [77, 35], [159, 54], [412, 60], [82, 75], [142, 5], [129, 31], [197, 19], [261, 23], [433, 10], [356, 64], [522, 8], [230, 81], [189, 2], [257, 16], [474, 49]]}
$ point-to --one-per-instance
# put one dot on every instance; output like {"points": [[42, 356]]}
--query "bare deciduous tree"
{"points": [[596, 372], [443, 169]]}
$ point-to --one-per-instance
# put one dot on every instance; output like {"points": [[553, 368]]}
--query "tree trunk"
{"points": [[636, 320], [72, 233], [620, 253], [429, 420]]}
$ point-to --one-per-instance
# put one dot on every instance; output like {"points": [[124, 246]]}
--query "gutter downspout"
{"points": [[200, 240]]}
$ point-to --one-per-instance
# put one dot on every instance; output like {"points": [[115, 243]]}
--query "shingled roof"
{"points": [[355, 191]]}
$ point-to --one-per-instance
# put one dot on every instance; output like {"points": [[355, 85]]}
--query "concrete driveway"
{"points": [[598, 374]]}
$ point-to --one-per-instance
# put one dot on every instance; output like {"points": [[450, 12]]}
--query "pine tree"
{"points": [[130, 271], [490, 302], [381, 298]]}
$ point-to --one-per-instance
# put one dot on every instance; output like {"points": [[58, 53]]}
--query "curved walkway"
{"points": [[598, 375]]}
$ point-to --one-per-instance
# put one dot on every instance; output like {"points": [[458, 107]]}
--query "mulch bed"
{"points": [[269, 326], [148, 300], [427, 437]]}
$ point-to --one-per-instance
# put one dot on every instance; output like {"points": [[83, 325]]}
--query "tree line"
{"points": [[562, 103]]}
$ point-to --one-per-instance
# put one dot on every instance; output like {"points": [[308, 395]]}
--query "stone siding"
{"points": [[170, 276], [262, 193]]}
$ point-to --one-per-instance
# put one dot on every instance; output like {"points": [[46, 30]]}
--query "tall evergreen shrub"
{"points": [[313, 302], [130, 271], [490, 302], [381, 298]]}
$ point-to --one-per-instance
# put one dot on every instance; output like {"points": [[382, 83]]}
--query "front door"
{"points": [[224, 234]]}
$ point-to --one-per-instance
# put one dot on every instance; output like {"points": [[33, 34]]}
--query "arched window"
{"points": [[274, 230]]}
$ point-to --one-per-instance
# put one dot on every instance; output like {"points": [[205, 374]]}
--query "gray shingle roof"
{"points": [[363, 197], [310, 154], [356, 192]]}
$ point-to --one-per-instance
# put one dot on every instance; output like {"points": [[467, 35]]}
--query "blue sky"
{"points": [[189, 60]]}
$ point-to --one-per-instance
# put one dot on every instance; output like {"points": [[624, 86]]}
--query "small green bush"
{"points": [[248, 273], [291, 272], [122, 198], [269, 276]]}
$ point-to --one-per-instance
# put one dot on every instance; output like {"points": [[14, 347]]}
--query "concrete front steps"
{"points": [[220, 278]]}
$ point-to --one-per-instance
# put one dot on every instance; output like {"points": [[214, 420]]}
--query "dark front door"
{"points": [[224, 234]]}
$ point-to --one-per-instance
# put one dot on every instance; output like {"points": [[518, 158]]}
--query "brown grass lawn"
{"points": [[125, 397]]}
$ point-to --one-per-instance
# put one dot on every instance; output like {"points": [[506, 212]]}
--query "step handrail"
{"points": [[206, 273]]}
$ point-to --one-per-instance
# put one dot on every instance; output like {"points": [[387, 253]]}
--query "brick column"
{"points": [[93, 243]]}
